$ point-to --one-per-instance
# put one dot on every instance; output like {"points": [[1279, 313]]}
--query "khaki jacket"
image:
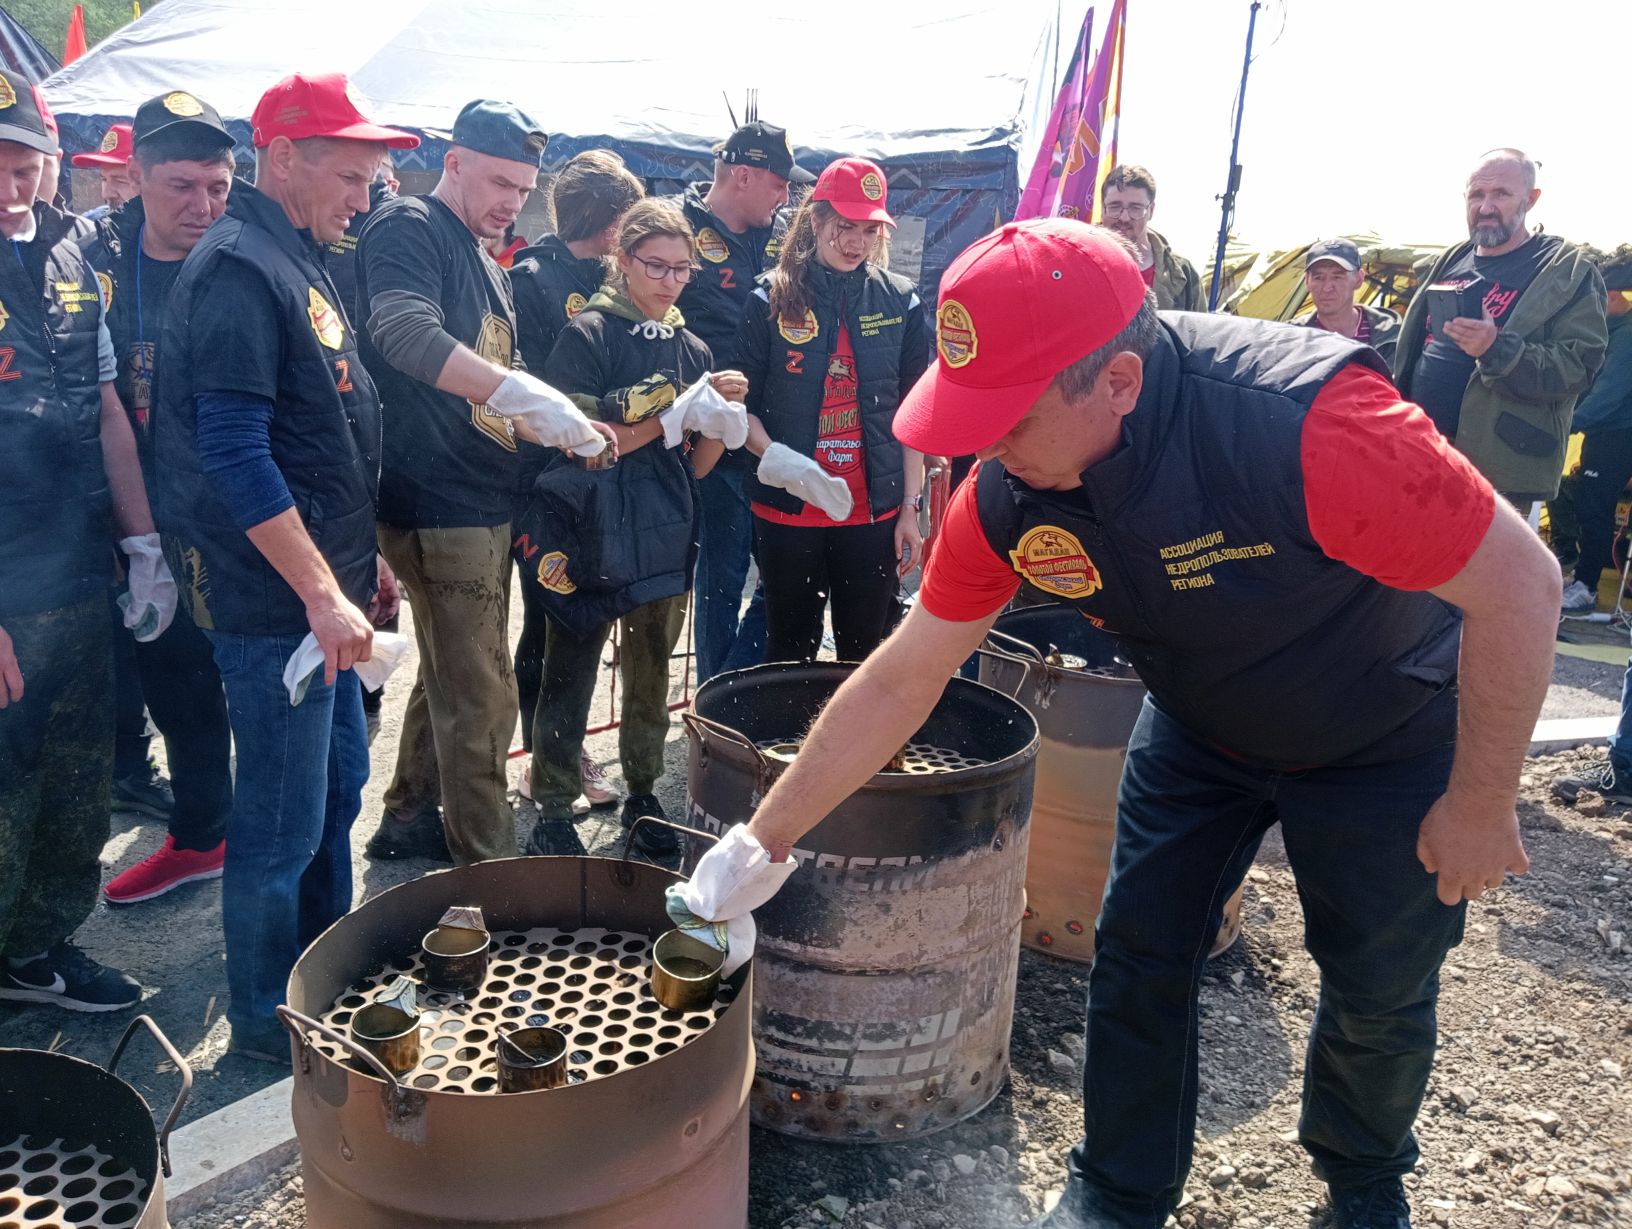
{"points": [[1178, 285]]}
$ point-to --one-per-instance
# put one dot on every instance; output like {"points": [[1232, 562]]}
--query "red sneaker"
{"points": [[163, 870]]}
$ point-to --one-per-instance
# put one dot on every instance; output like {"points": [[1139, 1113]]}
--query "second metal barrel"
{"points": [[1085, 713], [885, 971]]}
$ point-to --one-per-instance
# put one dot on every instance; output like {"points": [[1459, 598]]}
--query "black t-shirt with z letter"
{"points": [[1444, 368], [448, 463]]}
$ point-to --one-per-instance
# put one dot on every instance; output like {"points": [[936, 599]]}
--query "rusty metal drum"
{"points": [[1085, 701], [652, 1118], [885, 968]]}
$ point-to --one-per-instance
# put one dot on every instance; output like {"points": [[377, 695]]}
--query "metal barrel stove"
{"points": [[653, 1123], [885, 968], [78, 1148], [1085, 712]]}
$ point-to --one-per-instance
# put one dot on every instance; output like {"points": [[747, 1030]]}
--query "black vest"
{"points": [[1191, 545], [55, 526], [325, 424], [551, 286], [786, 365]]}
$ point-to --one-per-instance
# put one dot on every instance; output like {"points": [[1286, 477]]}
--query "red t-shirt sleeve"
{"points": [[965, 580], [1385, 492]]}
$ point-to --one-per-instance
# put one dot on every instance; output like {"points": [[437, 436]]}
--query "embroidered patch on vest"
{"points": [[711, 247], [552, 574], [798, 332], [955, 334], [575, 304], [325, 320], [106, 282], [1054, 561]]}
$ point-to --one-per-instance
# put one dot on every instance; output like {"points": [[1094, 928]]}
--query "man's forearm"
{"points": [[868, 720], [287, 546], [467, 374], [131, 514]]}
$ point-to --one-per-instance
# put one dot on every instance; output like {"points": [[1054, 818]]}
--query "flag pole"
{"points": [[1234, 184]]}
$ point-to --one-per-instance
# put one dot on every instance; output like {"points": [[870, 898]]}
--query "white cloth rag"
{"points": [[715, 905], [306, 663]]}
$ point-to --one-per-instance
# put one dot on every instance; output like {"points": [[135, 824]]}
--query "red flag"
{"points": [[1079, 144], [74, 47]]}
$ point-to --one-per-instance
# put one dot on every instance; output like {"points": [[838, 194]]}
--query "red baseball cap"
{"points": [[115, 149], [856, 188], [1017, 308], [302, 106]]}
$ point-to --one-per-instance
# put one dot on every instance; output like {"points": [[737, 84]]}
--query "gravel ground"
{"points": [[1528, 1120]]}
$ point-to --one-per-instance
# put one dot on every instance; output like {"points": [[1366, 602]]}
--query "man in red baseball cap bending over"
{"points": [[1306, 577]]}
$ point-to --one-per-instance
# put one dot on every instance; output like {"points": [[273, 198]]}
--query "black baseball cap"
{"points": [[173, 109], [500, 130], [763, 145], [23, 115], [1340, 252]]}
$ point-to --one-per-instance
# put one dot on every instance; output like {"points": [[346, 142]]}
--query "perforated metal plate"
{"points": [[59, 1184], [917, 758], [593, 985]]}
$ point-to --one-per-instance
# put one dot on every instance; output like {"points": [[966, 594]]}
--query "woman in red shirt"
{"points": [[831, 341]]}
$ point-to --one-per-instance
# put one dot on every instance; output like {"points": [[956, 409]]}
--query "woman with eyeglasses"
{"points": [[830, 343], [629, 551]]}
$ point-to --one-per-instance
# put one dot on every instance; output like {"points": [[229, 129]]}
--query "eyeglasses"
{"points": [[657, 270], [1132, 212]]}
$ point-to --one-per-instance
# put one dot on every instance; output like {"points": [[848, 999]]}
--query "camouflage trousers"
{"points": [[56, 769]]}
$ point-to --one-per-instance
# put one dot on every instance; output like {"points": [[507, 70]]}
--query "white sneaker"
{"points": [[598, 791], [1579, 600]]}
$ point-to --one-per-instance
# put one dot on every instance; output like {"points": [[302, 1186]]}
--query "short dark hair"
{"points": [[1138, 337], [183, 143], [1129, 176], [592, 191]]}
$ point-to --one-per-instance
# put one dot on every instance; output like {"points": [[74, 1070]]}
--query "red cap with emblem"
{"points": [[115, 149], [856, 188], [302, 106], [1017, 308]]}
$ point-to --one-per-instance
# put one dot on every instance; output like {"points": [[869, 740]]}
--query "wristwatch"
{"points": [[916, 503]]}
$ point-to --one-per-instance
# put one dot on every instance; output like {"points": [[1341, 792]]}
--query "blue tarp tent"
{"points": [[21, 52], [942, 96]]}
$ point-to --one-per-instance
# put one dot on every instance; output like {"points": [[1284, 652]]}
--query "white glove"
{"points": [[701, 408], [800, 475], [731, 879], [306, 663], [549, 415], [150, 603]]}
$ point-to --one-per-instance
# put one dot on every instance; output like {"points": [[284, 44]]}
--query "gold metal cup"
{"points": [[685, 971], [531, 1058], [388, 1028]]}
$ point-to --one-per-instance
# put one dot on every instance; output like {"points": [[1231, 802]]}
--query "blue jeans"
{"points": [[1620, 742], [301, 772], [1189, 821], [725, 641]]}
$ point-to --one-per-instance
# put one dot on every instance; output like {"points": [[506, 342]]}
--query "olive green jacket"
{"points": [[1177, 285], [1516, 413]]}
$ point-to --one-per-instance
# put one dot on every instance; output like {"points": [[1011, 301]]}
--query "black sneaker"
{"points": [[420, 836], [553, 836], [653, 840], [67, 977], [1376, 1205], [145, 792], [1600, 780], [265, 1043]]}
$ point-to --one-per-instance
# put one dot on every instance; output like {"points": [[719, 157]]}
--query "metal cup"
{"points": [[685, 971], [531, 1058], [455, 958], [388, 1028]]}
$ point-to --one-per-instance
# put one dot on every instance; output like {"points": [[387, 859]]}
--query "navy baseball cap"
{"points": [[177, 108], [763, 145], [1340, 252], [501, 130], [24, 115]]}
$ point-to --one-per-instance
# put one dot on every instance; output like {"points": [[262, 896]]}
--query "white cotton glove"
{"points": [[550, 416], [715, 904], [306, 663], [150, 603], [701, 408], [800, 475]]}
